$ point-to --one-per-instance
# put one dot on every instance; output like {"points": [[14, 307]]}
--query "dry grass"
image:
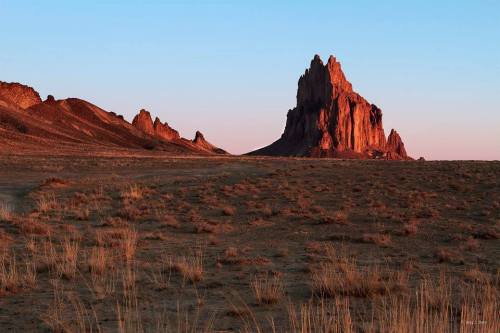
{"points": [[338, 217], [341, 276], [190, 268], [133, 192], [133, 274], [15, 276], [228, 211], [5, 212], [267, 289], [170, 221], [31, 226], [67, 259], [378, 239], [321, 318], [46, 202]]}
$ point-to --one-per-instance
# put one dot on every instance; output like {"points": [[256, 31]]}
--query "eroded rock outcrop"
{"points": [[331, 120], [200, 142], [19, 95], [143, 122], [165, 132], [162, 131], [395, 146]]}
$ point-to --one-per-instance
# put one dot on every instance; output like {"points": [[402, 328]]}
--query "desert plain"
{"points": [[157, 243]]}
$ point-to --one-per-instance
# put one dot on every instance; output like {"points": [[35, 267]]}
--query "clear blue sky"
{"points": [[230, 68]]}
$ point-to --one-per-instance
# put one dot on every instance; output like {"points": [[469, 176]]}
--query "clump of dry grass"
{"points": [[99, 260], [339, 275], [446, 255], [338, 217], [171, 221], [378, 239], [212, 227], [124, 238], [66, 265], [228, 210], [46, 202], [267, 289], [334, 317], [55, 182], [129, 212], [189, 267], [410, 228], [129, 243], [15, 276], [31, 226], [132, 192], [471, 244], [5, 212], [82, 213]]}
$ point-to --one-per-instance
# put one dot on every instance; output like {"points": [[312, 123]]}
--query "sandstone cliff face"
{"points": [[330, 119], [165, 132], [142, 121], [20, 95]]}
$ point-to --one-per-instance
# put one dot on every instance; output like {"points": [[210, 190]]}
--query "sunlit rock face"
{"points": [[331, 120], [19, 95]]}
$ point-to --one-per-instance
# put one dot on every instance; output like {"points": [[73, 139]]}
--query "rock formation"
{"points": [[142, 121], [331, 120], [200, 142], [165, 132], [162, 131], [395, 145], [19, 95], [73, 125]]}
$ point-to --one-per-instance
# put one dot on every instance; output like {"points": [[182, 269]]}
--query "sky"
{"points": [[230, 68]]}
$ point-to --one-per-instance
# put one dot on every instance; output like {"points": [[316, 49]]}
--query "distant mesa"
{"points": [[331, 120], [73, 126]]}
